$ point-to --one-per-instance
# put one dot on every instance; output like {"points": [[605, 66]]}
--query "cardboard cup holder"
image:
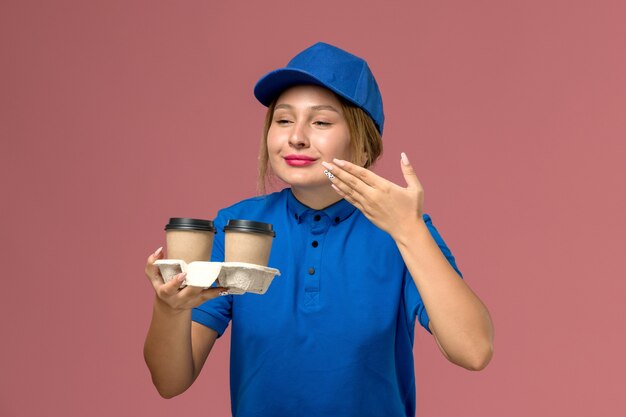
{"points": [[238, 277]]}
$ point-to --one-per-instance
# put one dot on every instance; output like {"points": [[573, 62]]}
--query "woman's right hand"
{"points": [[171, 294]]}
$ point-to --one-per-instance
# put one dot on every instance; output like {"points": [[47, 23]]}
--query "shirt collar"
{"points": [[337, 212]]}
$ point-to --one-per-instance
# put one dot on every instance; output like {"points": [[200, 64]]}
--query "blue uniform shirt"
{"points": [[333, 335]]}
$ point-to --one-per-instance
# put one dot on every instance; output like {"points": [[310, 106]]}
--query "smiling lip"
{"points": [[299, 160]]}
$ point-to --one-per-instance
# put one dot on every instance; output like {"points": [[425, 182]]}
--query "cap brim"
{"points": [[270, 86], [274, 83]]}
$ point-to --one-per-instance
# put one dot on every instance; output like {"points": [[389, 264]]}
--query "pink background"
{"points": [[116, 115]]}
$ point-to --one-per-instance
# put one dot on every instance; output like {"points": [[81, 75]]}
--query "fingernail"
{"points": [[329, 174], [157, 252], [223, 293], [405, 160], [339, 162], [182, 276], [327, 165]]}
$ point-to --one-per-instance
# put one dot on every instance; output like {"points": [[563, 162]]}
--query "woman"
{"points": [[359, 264]]}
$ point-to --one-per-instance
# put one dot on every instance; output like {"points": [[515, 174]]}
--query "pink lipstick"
{"points": [[299, 160]]}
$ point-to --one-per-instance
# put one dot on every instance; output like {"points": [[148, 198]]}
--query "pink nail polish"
{"points": [[339, 162], [157, 252]]}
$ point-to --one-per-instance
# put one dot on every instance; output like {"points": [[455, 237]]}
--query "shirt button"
{"points": [[314, 244], [317, 217], [311, 271]]}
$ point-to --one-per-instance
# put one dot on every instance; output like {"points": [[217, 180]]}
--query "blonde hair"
{"points": [[365, 141]]}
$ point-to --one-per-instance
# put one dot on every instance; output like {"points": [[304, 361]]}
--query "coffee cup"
{"points": [[189, 239], [248, 241]]}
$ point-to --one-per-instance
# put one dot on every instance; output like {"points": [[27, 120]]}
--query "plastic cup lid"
{"points": [[249, 226], [183, 223]]}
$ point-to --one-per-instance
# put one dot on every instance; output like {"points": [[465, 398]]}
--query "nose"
{"points": [[298, 137]]}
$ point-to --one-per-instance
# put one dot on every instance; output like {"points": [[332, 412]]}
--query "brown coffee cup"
{"points": [[189, 239], [248, 241]]}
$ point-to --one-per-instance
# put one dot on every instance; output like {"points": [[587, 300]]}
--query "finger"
{"points": [[363, 174], [348, 197], [346, 181], [151, 270], [195, 296], [192, 291], [213, 292], [408, 172], [172, 287], [344, 189]]}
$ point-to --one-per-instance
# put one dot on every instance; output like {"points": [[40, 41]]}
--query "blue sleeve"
{"points": [[412, 299], [216, 313]]}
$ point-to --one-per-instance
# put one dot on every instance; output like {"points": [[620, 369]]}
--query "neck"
{"points": [[316, 198]]}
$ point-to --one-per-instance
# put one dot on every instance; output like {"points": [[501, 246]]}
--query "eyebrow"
{"points": [[316, 108]]}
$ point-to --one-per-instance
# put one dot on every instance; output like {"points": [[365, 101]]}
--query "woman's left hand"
{"points": [[387, 205]]}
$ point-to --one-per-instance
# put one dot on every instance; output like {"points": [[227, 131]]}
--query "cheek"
{"points": [[341, 146], [273, 142]]}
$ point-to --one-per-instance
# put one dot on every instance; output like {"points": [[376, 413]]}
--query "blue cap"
{"points": [[325, 65]]}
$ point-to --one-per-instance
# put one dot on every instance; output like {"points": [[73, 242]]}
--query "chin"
{"points": [[303, 181]]}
